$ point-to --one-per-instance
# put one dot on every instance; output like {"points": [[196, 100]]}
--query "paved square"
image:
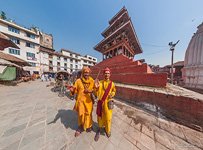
{"points": [[33, 117]]}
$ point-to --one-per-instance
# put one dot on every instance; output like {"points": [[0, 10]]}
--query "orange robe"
{"points": [[83, 104]]}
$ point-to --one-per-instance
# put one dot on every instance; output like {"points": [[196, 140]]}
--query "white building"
{"points": [[26, 39], [193, 64], [77, 61], [37, 49], [88, 60], [64, 60]]}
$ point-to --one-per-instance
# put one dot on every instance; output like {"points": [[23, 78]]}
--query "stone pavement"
{"points": [[32, 117]]}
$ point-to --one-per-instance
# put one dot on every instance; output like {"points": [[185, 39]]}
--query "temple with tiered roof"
{"points": [[119, 37], [119, 46]]}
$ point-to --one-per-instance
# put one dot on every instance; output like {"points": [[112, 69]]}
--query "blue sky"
{"points": [[77, 24]]}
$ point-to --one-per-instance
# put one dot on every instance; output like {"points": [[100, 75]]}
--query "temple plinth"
{"points": [[119, 46]]}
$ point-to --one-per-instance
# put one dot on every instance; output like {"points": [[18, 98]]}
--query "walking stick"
{"points": [[98, 74]]}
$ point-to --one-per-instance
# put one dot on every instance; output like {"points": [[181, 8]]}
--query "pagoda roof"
{"points": [[120, 13], [131, 34], [116, 23]]}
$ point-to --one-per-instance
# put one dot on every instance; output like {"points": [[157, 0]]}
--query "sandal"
{"points": [[89, 129], [96, 138], [108, 134], [78, 132]]}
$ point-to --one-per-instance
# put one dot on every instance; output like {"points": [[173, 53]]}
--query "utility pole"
{"points": [[172, 48]]}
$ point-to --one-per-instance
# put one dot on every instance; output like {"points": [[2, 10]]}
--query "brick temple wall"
{"points": [[125, 70], [184, 110]]}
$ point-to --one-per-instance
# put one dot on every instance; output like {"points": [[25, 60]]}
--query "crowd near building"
{"points": [[36, 48]]}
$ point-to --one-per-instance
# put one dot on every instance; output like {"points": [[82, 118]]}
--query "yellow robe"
{"points": [[105, 119], [83, 104]]}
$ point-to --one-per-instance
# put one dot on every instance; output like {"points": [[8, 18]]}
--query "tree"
{"points": [[3, 15]]}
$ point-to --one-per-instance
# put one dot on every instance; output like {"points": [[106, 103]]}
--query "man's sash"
{"points": [[100, 102]]}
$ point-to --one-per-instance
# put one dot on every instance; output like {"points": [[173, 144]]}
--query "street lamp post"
{"points": [[172, 48]]}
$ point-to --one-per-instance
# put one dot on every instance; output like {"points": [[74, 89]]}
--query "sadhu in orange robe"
{"points": [[84, 104]]}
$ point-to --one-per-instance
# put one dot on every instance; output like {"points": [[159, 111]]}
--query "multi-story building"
{"points": [[64, 60], [52, 61], [88, 60], [26, 39], [76, 61], [46, 52], [36, 48]]}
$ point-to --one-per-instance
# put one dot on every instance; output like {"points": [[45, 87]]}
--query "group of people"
{"points": [[86, 88], [45, 77]]}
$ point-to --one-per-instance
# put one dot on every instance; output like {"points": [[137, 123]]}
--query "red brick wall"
{"points": [[184, 110], [125, 70], [155, 80]]}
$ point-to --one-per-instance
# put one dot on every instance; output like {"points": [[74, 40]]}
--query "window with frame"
{"points": [[32, 64], [15, 40], [31, 45], [32, 55], [71, 60], [12, 29], [14, 51], [32, 36]]}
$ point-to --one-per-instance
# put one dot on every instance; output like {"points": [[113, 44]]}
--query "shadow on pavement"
{"points": [[67, 117]]}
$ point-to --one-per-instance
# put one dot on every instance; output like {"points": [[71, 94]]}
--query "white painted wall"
{"points": [[22, 36], [77, 60], [193, 64]]}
